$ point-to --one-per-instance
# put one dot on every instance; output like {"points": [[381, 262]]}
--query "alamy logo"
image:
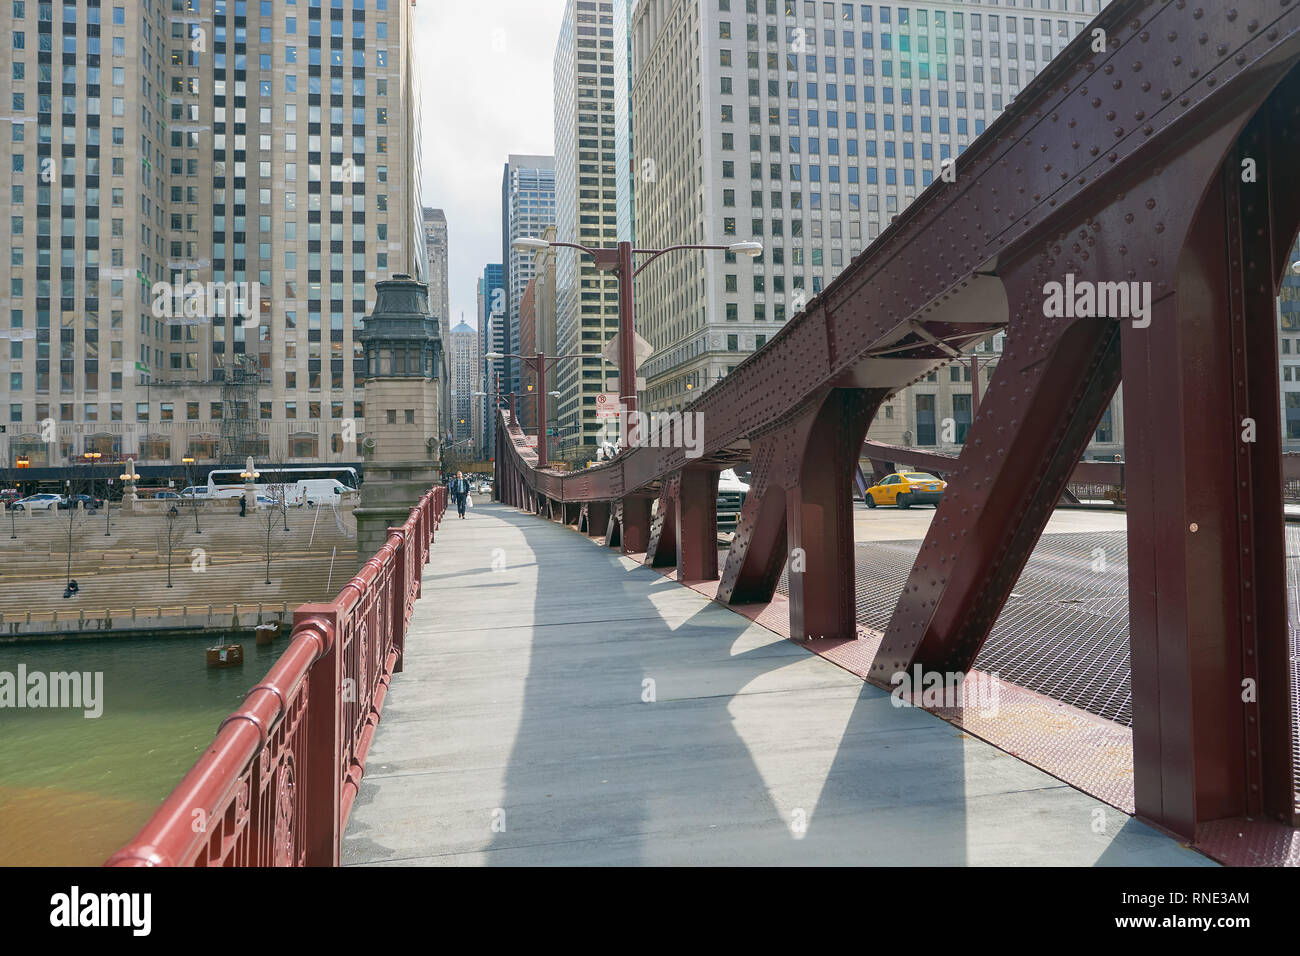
{"points": [[952, 689], [1089, 300], [664, 430], [131, 910], [195, 303], [38, 690]]}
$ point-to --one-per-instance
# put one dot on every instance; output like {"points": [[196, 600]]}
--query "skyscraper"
{"points": [[623, 149], [232, 181], [527, 208], [807, 126], [466, 370], [586, 206], [491, 337], [435, 245]]}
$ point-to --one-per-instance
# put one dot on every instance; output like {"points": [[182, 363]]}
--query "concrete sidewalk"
{"points": [[561, 705]]}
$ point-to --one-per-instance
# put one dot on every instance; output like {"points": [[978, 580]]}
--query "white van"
{"points": [[322, 491], [732, 493]]}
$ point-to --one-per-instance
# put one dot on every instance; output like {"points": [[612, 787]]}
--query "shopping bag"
{"points": [[469, 501]]}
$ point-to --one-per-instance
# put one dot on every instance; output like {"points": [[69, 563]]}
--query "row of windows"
{"points": [[189, 411], [801, 38], [902, 16]]}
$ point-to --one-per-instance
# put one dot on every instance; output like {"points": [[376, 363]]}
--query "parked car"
{"points": [[166, 494], [38, 503], [906, 488], [9, 495], [88, 502]]}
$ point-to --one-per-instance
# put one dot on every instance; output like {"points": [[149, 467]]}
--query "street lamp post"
{"points": [[621, 261], [188, 462], [92, 459], [539, 362]]}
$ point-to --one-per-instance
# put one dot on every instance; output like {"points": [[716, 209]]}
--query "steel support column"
{"points": [[1036, 419], [1212, 721], [758, 548], [697, 524], [636, 524], [598, 515], [661, 549], [614, 530], [819, 516]]}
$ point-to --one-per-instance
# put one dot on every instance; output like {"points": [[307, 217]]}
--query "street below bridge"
{"points": [[562, 704]]}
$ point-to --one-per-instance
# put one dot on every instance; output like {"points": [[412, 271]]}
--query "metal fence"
{"points": [[277, 784]]}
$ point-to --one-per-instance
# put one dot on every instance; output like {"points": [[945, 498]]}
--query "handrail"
{"points": [[277, 784]]}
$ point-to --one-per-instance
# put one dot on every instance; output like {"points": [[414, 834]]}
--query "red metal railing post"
{"points": [[399, 587], [320, 769]]}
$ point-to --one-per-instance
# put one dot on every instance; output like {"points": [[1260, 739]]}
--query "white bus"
{"points": [[302, 484]]}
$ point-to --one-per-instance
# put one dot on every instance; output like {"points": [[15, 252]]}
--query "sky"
{"points": [[485, 71]]}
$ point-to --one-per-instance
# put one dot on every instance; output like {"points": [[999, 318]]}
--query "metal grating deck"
{"points": [[1064, 631]]}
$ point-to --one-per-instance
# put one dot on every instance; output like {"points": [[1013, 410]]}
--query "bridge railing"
{"points": [[277, 784]]}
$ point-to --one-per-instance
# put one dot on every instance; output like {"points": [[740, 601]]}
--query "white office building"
{"points": [[807, 126]]}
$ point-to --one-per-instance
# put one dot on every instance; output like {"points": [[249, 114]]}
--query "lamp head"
{"points": [[529, 244]]}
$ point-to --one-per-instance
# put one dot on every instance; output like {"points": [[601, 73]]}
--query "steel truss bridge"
{"points": [[1167, 162]]}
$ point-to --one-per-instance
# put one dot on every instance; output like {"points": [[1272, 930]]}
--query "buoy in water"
{"points": [[226, 655], [267, 632]]}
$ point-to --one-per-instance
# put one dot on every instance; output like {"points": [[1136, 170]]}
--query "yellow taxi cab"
{"points": [[906, 488]]}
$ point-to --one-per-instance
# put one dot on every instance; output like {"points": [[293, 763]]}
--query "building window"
{"points": [[925, 434]]}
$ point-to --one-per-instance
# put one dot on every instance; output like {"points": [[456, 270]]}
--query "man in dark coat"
{"points": [[459, 491]]}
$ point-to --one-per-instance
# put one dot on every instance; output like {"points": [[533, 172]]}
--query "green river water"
{"points": [[73, 789]]}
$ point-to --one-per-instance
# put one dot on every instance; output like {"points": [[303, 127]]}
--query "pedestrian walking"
{"points": [[459, 489]]}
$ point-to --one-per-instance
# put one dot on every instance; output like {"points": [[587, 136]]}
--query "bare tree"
{"points": [[270, 518], [170, 535], [192, 496], [74, 516]]}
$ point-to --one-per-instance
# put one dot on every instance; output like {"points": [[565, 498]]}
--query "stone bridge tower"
{"points": [[403, 355]]}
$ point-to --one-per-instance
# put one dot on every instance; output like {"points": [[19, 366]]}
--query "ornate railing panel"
{"points": [[277, 784]]}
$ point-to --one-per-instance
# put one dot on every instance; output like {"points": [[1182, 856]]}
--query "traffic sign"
{"points": [[608, 405], [641, 350]]}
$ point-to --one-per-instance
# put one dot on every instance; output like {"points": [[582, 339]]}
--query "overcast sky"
{"points": [[485, 68]]}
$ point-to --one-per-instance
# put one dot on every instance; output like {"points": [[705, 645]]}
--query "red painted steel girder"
{"points": [[1085, 129], [1113, 166]]}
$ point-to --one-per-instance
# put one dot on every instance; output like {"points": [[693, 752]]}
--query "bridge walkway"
{"points": [[561, 704]]}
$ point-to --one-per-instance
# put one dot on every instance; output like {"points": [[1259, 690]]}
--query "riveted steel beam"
{"points": [[636, 523], [661, 550], [758, 549], [819, 514], [697, 524]]}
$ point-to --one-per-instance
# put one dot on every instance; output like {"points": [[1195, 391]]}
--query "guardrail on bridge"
{"points": [[277, 784]]}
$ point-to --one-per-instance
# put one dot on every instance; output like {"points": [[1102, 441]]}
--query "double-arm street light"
{"points": [[539, 362], [620, 260]]}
